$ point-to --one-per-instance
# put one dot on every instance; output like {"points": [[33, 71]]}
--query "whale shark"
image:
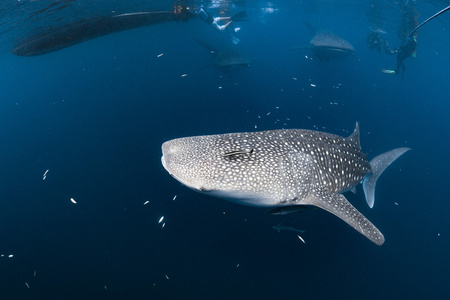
{"points": [[281, 168], [227, 58], [57, 38], [326, 45]]}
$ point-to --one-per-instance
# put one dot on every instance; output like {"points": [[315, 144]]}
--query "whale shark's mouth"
{"points": [[163, 161]]}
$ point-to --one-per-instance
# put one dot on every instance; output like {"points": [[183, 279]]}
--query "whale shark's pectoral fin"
{"points": [[338, 205]]}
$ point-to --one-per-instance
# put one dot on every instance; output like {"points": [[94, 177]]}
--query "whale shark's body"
{"points": [[226, 59], [281, 168], [327, 45], [53, 39]]}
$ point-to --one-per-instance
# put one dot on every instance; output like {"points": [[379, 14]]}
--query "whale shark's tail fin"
{"points": [[378, 165]]}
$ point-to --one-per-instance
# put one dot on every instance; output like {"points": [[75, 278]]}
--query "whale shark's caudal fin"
{"points": [[378, 165]]}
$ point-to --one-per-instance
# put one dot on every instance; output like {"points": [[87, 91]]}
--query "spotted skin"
{"points": [[275, 168]]}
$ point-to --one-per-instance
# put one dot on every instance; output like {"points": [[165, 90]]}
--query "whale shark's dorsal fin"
{"points": [[354, 137]]}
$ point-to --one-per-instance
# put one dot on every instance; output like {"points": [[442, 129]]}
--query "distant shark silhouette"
{"points": [[327, 46], [54, 39], [280, 227], [226, 59]]}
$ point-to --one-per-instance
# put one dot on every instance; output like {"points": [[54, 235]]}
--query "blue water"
{"points": [[95, 115]]}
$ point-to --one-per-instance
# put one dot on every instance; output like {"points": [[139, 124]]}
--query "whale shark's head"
{"points": [[215, 165], [186, 164]]}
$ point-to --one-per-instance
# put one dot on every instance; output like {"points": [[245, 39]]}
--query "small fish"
{"points": [[280, 227], [73, 201], [11, 255], [313, 85], [161, 219], [167, 277], [163, 225], [146, 202], [105, 287], [301, 239], [184, 75], [159, 55], [174, 197], [26, 283], [238, 152], [45, 175], [284, 210]]}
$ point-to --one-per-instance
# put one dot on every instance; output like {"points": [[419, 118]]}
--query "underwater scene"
{"points": [[224, 149]]}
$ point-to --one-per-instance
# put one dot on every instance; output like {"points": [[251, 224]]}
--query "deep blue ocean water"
{"points": [[95, 115]]}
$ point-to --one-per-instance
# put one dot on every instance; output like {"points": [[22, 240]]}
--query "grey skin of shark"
{"points": [[325, 45], [281, 168], [227, 58]]}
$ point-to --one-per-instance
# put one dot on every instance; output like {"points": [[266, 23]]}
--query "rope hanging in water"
{"points": [[427, 20]]}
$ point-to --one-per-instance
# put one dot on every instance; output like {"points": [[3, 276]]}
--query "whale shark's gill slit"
{"points": [[232, 153], [296, 165], [283, 174], [294, 171]]}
